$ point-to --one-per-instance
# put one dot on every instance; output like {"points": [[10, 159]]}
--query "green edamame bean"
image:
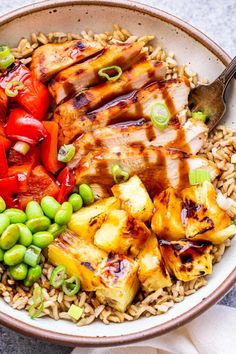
{"points": [[50, 206], [56, 229], [1, 255], [86, 194], [9, 237], [42, 239], [76, 201], [38, 224], [4, 222], [25, 238], [2, 205], [19, 271], [64, 214], [33, 210], [15, 215], [33, 275], [14, 255]]}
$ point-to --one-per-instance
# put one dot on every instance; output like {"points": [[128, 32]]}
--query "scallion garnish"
{"points": [[6, 57], [160, 115], [13, 87], [200, 116], [38, 303], [71, 286], [66, 153], [75, 312], [58, 276], [21, 147], [102, 72], [118, 174], [199, 176]]}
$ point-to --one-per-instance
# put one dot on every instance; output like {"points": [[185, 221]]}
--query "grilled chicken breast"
{"points": [[189, 138], [157, 167], [80, 76], [187, 260], [133, 106], [136, 77], [49, 59]]}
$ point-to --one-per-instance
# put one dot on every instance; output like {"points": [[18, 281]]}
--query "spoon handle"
{"points": [[228, 73]]}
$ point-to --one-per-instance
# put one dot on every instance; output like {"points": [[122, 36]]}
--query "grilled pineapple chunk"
{"points": [[187, 260], [80, 258], [152, 272], [119, 277], [166, 221], [87, 220], [202, 216], [134, 198], [121, 233]]}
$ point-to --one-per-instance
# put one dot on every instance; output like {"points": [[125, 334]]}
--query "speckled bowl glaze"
{"points": [[203, 56]]}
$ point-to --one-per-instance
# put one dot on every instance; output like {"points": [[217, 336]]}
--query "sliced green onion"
{"points": [[58, 276], [6, 57], [233, 158], [200, 116], [21, 147], [4, 51], [102, 72], [75, 312], [38, 303], [66, 153], [199, 176], [32, 255], [118, 174], [71, 286], [13, 87], [160, 115]]}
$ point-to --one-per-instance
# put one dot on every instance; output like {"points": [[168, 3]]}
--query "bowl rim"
{"points": [[220, 291]]}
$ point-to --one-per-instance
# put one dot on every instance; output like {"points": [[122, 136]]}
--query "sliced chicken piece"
{"points": [[202, 217], [134, 78], [157, 167], [80, 76], [187, 260], [49, 59], [132, 106], [189, 138]]}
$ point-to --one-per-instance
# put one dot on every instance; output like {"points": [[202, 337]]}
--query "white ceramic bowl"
{"points": [[203, 56]]}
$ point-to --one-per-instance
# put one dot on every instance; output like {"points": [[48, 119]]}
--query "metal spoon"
{"points": [[210, 99]]}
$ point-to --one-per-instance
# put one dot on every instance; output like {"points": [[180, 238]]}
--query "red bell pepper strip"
{"points": [[49, 148], [32, 157], [9, 186], [40, 184], [66, 181], [24, 127], [35, 97], [3, 161], [23, 173], [6, 142], [3, 105]]}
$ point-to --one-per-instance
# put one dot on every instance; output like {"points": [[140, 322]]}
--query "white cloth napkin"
{"points": [[214, 332]]}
